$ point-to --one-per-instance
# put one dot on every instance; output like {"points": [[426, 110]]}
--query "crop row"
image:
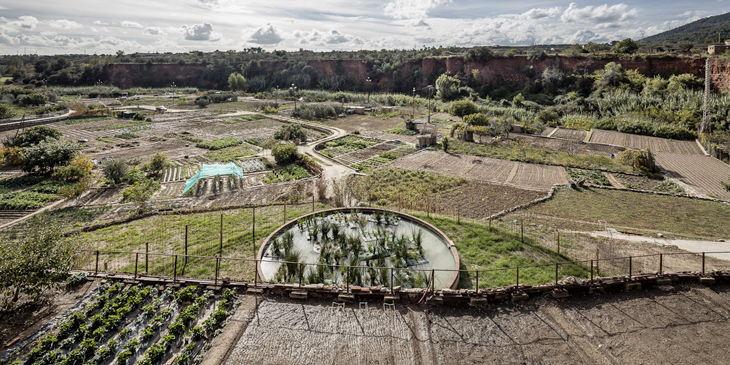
{"points": [[291, 172], [134, 325]]}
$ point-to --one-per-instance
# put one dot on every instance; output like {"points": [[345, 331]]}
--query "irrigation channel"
{"points": [[369, 241]]}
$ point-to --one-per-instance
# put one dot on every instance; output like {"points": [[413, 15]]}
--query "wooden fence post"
{"points": [[217, 267], [477, 282], [591, 271], [347, 280], [522, 231], [556, 274], [96, 268], [558, 242], [630, 266], [186, 244], [253, 230], [300, 275], [598, 261], [703, 263], [518, 276], [433, 281], [256, 273], [284, 213], [391, 280], [136, 260]]}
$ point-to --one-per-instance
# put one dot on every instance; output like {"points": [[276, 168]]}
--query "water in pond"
{"points": [[360, 239]]}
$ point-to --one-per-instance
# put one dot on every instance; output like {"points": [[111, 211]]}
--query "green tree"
{"points": [[37, 261], [478, 119], [626, 46], [115, 171], [141, 192], [518, 101], [44, 157], [157, 163], [284, 153], [6, 112], [684, 82], [291, 131], [202, 101], [445, 144], [236, 82], [35, 135], [461, 108], [447, 87]]}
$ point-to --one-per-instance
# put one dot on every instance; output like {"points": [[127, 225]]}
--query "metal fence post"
{"points": [[96, 268], [347, 279], [186, 244], [630, 266], [556, 274], [300, 275], [518, 276], [256, 273], [174, 270], [703, 263], [146, 257], [217, 265], [220, 248], [660, 264], [433, 281], [391, 280], [558, 242], [136, 260]]}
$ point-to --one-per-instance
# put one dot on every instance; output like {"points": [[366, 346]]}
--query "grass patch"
{"points": [[220, 143], [105, 139], [246, 118], [387, 186], [230, 154], [523, 152], [81, 121], [25, 200], [673, 214], [71, 216], [405, 132], [126, 135], [133, 126], [590, 176], [489, 248]]}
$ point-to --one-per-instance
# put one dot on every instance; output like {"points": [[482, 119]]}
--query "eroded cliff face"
{"points": [[517, 71], [126, 76], [720, 75]]}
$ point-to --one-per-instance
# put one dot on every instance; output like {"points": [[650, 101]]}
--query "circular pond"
{"points": [[370, 241]]}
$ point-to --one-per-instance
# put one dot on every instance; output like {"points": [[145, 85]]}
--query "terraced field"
{"points": [[655, 144], [701, 173], [503, 172]]}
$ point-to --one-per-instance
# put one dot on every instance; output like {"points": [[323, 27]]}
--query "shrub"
{"points": [[219, 143], [285, 153], [115, 171], [44, 157], [291, 131], [79, 167], [157, 163], [462, 108], [35, 135], [317, 111]]}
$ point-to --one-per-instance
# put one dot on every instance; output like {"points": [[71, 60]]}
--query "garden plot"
{"points": [[479, 200], [180, 170], [655, 144], [702, 174], [132, 324], [347, 145], [251, 165], [412, 140], [571, 134], [567, 145], [522, 175]]}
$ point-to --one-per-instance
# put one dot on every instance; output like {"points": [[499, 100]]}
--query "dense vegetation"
{"points": [[705, 30]]}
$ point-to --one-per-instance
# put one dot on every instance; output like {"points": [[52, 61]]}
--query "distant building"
{"points": [[719, 48]]}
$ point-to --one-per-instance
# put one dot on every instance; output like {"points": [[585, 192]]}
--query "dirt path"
{"points": [[696, 246]]}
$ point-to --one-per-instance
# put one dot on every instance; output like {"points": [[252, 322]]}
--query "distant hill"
{"points": [[695, 32]]}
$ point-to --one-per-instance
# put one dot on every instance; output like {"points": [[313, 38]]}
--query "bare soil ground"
{"points": [[683, 324], [702, 174], [570, 134], [566, 145], [634, 182], [521, 175], [477, 200], [641, 142], [412, 140], [362, 123], [30, 316]]}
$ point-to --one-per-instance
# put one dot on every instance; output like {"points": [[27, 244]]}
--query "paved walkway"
{"points": [[696, 246]]}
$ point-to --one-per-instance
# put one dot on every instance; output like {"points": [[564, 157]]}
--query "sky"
{"points": [[104, 27]]}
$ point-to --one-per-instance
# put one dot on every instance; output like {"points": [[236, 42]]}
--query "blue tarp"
{"points": [[213, 170]]}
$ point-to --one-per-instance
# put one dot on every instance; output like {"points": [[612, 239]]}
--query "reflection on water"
{"points": [[359, 239]]}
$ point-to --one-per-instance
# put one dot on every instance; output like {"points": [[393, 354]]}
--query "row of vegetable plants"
{"points": [[135, 325]]}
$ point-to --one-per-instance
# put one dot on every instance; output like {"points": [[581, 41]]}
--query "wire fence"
{"points": [[243, 270]]}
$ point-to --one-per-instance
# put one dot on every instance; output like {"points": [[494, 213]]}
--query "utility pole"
{"points": [[705, 125]]}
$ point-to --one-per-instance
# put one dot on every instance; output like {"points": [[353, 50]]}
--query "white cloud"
{"points": [[99, 30], [599, 14], [411, 9], [8, 40], [582, 36], [200, 32], [419, 23], [99, 22], [128, 24], [26, 22], [154, 31], [64, 24], [316, 38], [539, 13], [267, 35]]}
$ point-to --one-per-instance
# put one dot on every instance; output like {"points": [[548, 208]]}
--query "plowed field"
{"points": [[574, 134], [522, 175], [478, 200], [701, 173], [655, 144]]}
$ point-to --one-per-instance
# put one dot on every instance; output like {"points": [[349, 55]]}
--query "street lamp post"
{"points": [[293, 91], [430, 88], [369, 89]]}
